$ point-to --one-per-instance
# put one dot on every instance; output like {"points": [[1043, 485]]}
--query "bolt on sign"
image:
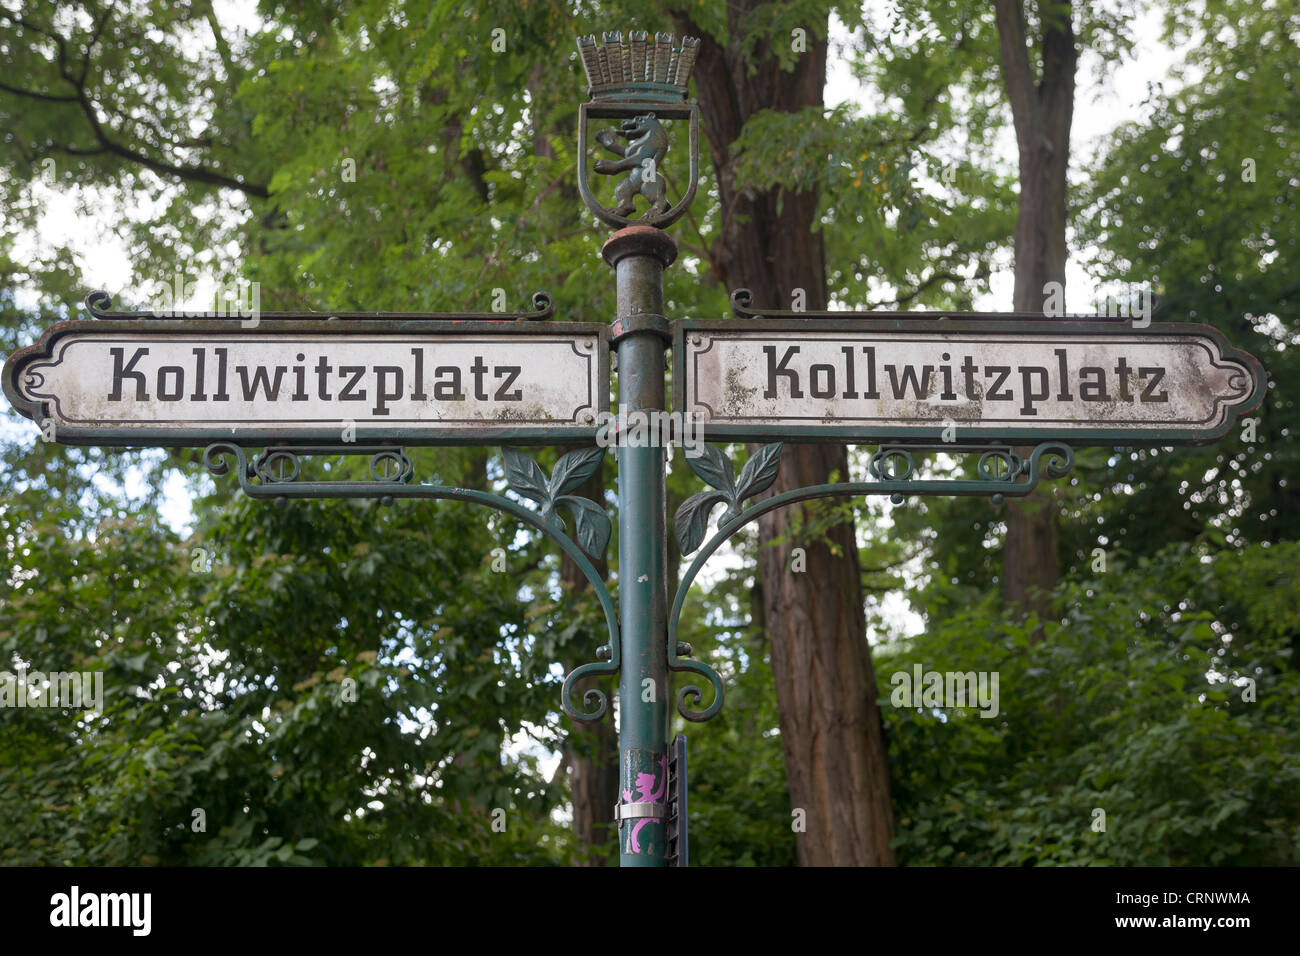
{"points": [[1079, 381], [300, 377]]}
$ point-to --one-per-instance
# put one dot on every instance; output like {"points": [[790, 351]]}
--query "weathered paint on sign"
{"points": [[1081, 382], [191, 382]]}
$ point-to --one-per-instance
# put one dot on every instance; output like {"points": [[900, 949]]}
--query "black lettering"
{"points": [[829, 389], [871, 372], [166, 394], [968, 369], [848, 372], [222, 395], [419, 394], [1030, 394], [384, 395], [921, 386], [447, 391], [512, 371], [200, 359], [357, 371], [948, 394], [773, 370], [478, 368], [992, 394], [1093, 391], [323, 369], [262, 379], [1159, 374], [299, 373], [120, 372], [1064, 394], [1122, 370]]}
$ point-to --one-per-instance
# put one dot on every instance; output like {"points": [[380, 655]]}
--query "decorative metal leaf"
{"points": [[573, 469], [714, 468], [759, 472], [592, 526], [692, 519], [526, 477]]}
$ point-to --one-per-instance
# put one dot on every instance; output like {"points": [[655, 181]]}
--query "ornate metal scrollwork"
{"points": [[100, 304], [714, 468], [281, 465], [276, 473], [742, 301], [592, 526], [1001, 472], [690, 522], [892, 464], [1000, 469]]}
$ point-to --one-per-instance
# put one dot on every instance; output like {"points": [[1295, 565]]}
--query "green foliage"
{"points": [[739, 804], [1198, 203], [1135, 706], [914, 202], [1173, 207], [292, 674]]}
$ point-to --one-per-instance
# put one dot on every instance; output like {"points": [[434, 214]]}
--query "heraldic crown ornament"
{"points": [[642, 82], [641, 69]]}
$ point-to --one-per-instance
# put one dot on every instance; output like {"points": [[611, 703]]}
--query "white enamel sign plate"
{"points": [[1080, 382], [165, 381]]}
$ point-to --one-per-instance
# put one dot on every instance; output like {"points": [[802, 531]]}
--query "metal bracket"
{"points": [[1001, 471], [275, 474], [637, 811], [675, 828], [641, 322]]}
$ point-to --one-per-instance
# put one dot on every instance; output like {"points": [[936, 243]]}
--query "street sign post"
{"points": [[986, 386]]}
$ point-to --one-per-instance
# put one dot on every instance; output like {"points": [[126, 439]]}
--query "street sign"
{"points": [[309, 380], [1079, 381]]}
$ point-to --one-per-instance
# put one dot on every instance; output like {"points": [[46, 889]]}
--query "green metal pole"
{"points": [[639, 255]]}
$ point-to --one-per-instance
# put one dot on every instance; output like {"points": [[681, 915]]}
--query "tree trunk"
{"points": [[1042, 111], [831, 731]]}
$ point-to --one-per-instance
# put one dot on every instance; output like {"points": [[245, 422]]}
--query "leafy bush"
{"points": [[1135, 705]]}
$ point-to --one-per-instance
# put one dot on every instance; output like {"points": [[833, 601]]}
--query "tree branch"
{"points": [[33, 94], [1017, 73], [934, 279], [233, 73], [981, 272], [90, 44], [189, 173]]}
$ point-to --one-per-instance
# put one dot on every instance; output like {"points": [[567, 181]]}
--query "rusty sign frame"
{"points": [[428, 326], [932, 324]]}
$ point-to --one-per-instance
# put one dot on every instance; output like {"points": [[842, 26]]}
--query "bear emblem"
{"points": [[647, 143]]}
